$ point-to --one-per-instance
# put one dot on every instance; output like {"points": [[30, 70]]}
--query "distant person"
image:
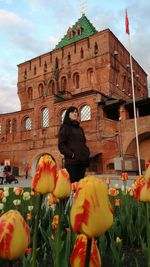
{"points": [[2, 174], [72, 144], [27, 167]]}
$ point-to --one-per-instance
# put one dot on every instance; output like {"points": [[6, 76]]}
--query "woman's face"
{"points": [[73, 115]]}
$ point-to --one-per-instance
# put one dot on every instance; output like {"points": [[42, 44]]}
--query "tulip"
{"points": [[142, 192], [91, 212], [113, 191], [55, 222], [117, 202], [79, 252], [14, 235], [63, 184], [45, 177]]}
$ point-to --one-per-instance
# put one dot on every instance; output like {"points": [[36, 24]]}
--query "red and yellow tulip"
{"points": [[142, 192], [14, 235], [78, 255], [91, 212], [63, 184], [45, 177]]}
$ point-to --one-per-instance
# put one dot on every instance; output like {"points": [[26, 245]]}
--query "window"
{"points": [[9, 126], [0, 128], [85, 113], [14, 125], [27, 124], [63, 84], [30, 93], [45, 117], [69, 58], [63, 115], [76, 80], [51, 88], [96, 48], [41, 90], [82, 53]]}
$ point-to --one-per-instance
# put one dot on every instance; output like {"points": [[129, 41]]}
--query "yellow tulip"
{"points": [[63, 184], [142, 192], [45, 177], [78, 255], [91, 212], [14, 235]]}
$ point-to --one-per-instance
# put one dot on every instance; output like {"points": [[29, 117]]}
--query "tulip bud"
{"points": [[79, 251], [45, 177], [63, 184], [91, 211], [14, 235]]}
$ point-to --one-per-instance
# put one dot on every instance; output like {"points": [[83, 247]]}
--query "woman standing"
{"points": [[72, 144]]}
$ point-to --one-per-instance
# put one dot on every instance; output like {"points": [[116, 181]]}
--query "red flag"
{"points": [[127, 23]]}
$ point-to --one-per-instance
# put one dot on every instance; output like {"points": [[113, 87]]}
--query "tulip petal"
{"points": [[45, 177], [91, 212], [14, 235]]}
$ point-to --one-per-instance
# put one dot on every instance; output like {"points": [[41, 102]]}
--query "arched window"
{"points": [[85, 113], [91, 76], [41, 89], [30, 93], [63, 84], [45, 118], [63, 115], [51, 88], [14, 125], [27, 124], [76, 80]]}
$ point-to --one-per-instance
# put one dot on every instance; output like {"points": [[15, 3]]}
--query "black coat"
{"points": [[72, 144]]}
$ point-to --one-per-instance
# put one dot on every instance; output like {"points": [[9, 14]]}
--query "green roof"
{"points": [[87, 30]]}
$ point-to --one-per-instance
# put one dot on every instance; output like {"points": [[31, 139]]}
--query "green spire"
{"points": [[80, 30]]}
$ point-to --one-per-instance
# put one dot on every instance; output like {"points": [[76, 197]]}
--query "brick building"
{"points": [[88, 69]]}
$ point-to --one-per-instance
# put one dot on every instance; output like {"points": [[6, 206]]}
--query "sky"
{"points": [[29, 28]]}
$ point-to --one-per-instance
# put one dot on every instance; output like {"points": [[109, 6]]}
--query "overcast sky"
{"points": [[29, 28]]}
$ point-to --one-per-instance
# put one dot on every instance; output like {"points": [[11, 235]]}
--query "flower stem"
{"points": [[58, 235], [88, 251], [35, 235], [148, 232]]}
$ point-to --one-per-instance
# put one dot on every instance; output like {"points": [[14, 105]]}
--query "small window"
{"points": [[96, 48], [82, 53], [45, 118], [0, 128], [14, 125], [85, 113], [9, 126], [69, 58], [28, 124], [76, 79]]}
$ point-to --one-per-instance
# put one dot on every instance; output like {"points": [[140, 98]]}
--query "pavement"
{"points": [[115, 179]]}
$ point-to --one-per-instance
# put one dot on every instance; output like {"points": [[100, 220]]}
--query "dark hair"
{"points": [[66, 119]]}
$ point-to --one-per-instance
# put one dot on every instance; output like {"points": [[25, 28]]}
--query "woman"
{"points": [[72, 144]]}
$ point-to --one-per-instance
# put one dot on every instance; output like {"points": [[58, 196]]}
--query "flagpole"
{"points": [[133, 97]]}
